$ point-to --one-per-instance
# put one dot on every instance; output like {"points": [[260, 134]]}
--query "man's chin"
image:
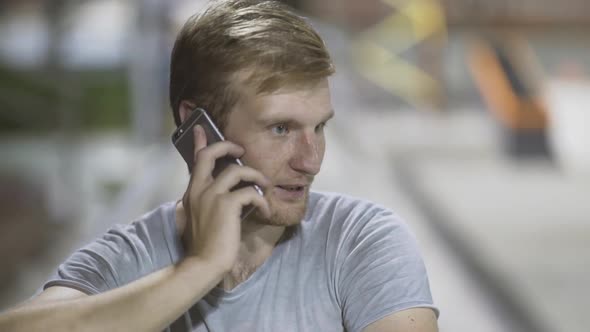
{"points": [[283, 213]]}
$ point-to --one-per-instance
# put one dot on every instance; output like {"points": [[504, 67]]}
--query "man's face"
{"points": [[283, 135]]}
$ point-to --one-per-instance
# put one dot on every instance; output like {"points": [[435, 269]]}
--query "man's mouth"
{"points": [[291, 192], [292, 187]]}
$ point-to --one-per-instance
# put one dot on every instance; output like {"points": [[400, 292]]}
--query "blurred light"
{"points": [[24, 39], [185, 9], [97, 34]]}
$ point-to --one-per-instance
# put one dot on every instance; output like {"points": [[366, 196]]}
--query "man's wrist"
{"points": [[196, 265]]}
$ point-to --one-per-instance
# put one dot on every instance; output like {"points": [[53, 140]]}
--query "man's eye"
{"points": [[280, 129]]}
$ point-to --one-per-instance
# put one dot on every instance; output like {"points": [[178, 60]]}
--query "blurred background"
{"points": [[470, 118]]}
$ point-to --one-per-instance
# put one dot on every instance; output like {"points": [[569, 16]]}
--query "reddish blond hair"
{"points": [[265, 40]]}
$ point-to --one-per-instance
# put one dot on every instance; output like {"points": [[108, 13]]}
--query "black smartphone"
{"points": [[183, 140]]}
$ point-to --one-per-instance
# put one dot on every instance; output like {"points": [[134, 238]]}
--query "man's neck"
{"points": [[256, 246]]}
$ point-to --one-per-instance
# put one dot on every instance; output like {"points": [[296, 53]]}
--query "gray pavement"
{"points": [[524, 225]]}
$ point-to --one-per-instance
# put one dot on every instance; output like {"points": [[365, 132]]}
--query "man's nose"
{"points": [[308, 154]]}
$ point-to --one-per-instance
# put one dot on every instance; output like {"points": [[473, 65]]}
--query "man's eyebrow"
{"points": [[286, 119], [274, 119]]}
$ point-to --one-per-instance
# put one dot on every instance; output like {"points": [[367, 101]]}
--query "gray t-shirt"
{"points": [[349, 263]]}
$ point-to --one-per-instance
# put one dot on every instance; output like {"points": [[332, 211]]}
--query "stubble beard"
{"points": [[283, 213]]}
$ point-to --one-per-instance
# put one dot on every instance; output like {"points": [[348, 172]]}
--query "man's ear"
{"points": [[185, 108]]}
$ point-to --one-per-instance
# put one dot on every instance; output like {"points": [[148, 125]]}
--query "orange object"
{"points": [[512, 110]]}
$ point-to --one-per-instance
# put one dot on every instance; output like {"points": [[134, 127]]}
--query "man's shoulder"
{"points": [[347, 213], [157, 224], [163, 215], [124, 253], [158, 229], [341, 205], [158, 220]]}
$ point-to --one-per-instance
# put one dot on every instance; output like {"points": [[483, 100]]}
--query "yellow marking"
{"points": [[377, 49]]}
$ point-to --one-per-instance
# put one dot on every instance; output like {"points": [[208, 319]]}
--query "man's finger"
{"points": [[249, 196], [200, 140], [206, 157], [234, 174]]}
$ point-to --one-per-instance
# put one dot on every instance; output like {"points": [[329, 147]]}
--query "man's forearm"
{"points": [[148, 304]]}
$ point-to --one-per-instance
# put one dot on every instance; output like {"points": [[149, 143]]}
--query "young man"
{"points": [[304, 261]]}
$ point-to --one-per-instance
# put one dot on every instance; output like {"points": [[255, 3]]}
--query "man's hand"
{"points": [[212, 229]]}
